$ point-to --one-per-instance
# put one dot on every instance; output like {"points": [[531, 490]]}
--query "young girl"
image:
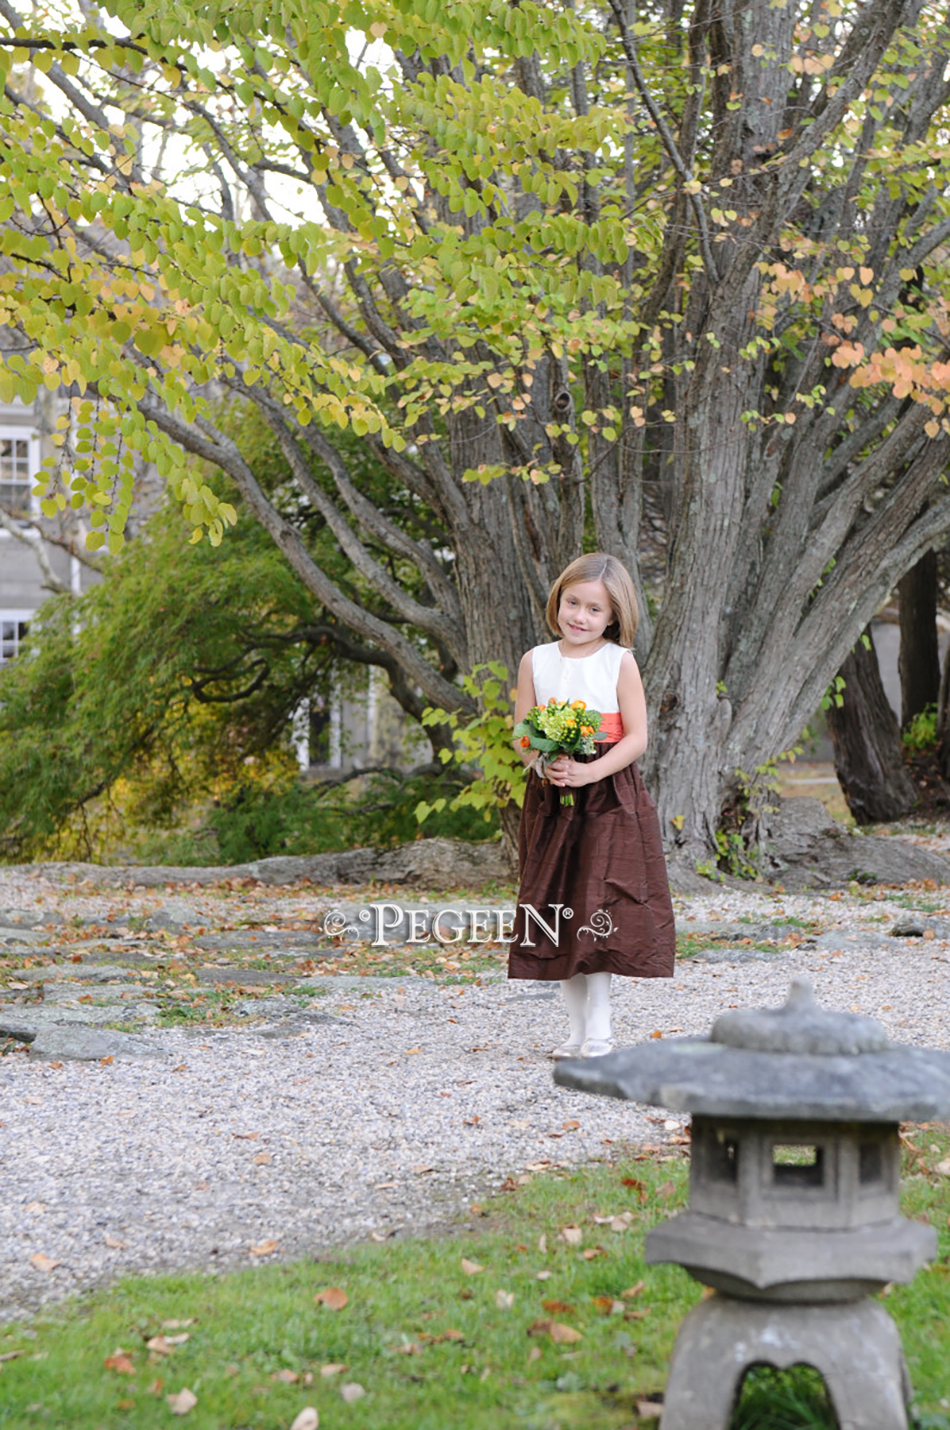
{"points": [[600, 859]]}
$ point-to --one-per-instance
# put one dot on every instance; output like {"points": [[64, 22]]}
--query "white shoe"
{"points": [[597, 1047], [567, 1050]]}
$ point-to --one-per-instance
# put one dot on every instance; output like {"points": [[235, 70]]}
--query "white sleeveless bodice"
{"points": [[593, 678]]}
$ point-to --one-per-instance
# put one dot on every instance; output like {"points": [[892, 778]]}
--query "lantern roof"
{"points": [[799, 1061]]}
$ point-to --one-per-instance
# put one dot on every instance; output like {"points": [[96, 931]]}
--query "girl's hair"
{"points": [[598, 566]]}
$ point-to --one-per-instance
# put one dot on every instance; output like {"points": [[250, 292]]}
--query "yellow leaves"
{"points": [[182, 1402], [332, 1298], [120, 1362], [848, 354], [43, 1262], [559, 1333], [308, 1419]]}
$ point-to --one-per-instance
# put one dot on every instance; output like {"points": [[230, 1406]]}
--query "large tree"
{"points": [[577, 274]]}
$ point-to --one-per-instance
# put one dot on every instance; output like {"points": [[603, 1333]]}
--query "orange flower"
{"points": [[587, 729], [525, 742], [578, 704]]}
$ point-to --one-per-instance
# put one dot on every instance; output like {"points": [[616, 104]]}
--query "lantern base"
{"points": [[854, 1346]]}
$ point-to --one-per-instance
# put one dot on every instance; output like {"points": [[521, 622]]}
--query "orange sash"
{"points": [[611, 729]]}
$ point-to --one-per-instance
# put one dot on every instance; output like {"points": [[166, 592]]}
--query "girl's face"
{"points": [[584, 613]]}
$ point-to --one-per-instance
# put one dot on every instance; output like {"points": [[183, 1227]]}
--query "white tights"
{"points": [[587, 999]]}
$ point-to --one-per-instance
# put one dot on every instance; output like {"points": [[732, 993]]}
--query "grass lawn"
{"points": [[543, 1317]]}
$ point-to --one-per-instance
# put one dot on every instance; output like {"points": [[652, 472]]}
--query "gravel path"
{"points": [[397, 1104]]}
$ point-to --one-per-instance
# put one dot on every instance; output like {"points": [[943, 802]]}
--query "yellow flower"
{"points": [[578, 704]]}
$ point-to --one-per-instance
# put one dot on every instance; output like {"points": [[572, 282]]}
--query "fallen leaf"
{"points": [[120, 1363], [332, 1368], [157, 1386], [471, 1268], [571, 1234], [504, 1300], [107, 1062], [534, 1354], [540, 1327], [422, 1169], [334, 1298], [246, 1136], [182, 1402], [544, 1275], [43, 1262], [633, 1291], [571, 1126], [352, 1391], [264, 1248], [34, 1207], [666, 1190], [564, 1335], [943, 1167], [308, 1419], [558, 1308], [543, 1245], [649, 1409], [11, 1355], [452, 1335], [593, 1251], [287, 1377], [263, 1159], [116, 1244], [177, 1325]]}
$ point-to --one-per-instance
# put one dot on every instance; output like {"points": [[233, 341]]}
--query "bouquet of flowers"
{"points": [[562, 727]]}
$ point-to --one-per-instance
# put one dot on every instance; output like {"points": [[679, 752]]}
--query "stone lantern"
{"points": [[794, 1216]]}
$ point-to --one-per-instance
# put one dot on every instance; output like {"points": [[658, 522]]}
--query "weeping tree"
{"points": [[662, 279]]}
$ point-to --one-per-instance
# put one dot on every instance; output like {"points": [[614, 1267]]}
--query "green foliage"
{"points": [[172, 684], [834, 695], [736, 840], [795, 1399], [483, 742], [294, 818], [921, 733]]}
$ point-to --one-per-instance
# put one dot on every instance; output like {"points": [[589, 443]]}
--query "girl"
{"points": [[594, 897]]}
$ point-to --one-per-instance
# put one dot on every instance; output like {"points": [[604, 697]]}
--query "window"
{"points": [[13, 630], [15, 472]]}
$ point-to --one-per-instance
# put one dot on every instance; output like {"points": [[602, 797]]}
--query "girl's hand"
{"points": [[568, 774]]}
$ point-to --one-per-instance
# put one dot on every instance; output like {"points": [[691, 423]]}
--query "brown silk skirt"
{"points": [[602, 860]]}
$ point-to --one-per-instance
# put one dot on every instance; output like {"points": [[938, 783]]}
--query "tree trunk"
{"points": [[868, 756], [919, 662]]}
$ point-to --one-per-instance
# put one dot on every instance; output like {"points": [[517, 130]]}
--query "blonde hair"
{"points": [[598, 566]]}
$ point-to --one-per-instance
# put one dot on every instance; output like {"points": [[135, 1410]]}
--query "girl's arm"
{"points": [[525, 701], [633, 714]]}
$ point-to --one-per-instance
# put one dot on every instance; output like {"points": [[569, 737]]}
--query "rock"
{"points": [[919, 926], [841, 942], [83, 1044], [12, 1027], [804, 848], [739, 955], [440, 863], [173, 915]]}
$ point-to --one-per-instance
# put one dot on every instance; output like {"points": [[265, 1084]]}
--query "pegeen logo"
{"points": [[383, 923]]}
